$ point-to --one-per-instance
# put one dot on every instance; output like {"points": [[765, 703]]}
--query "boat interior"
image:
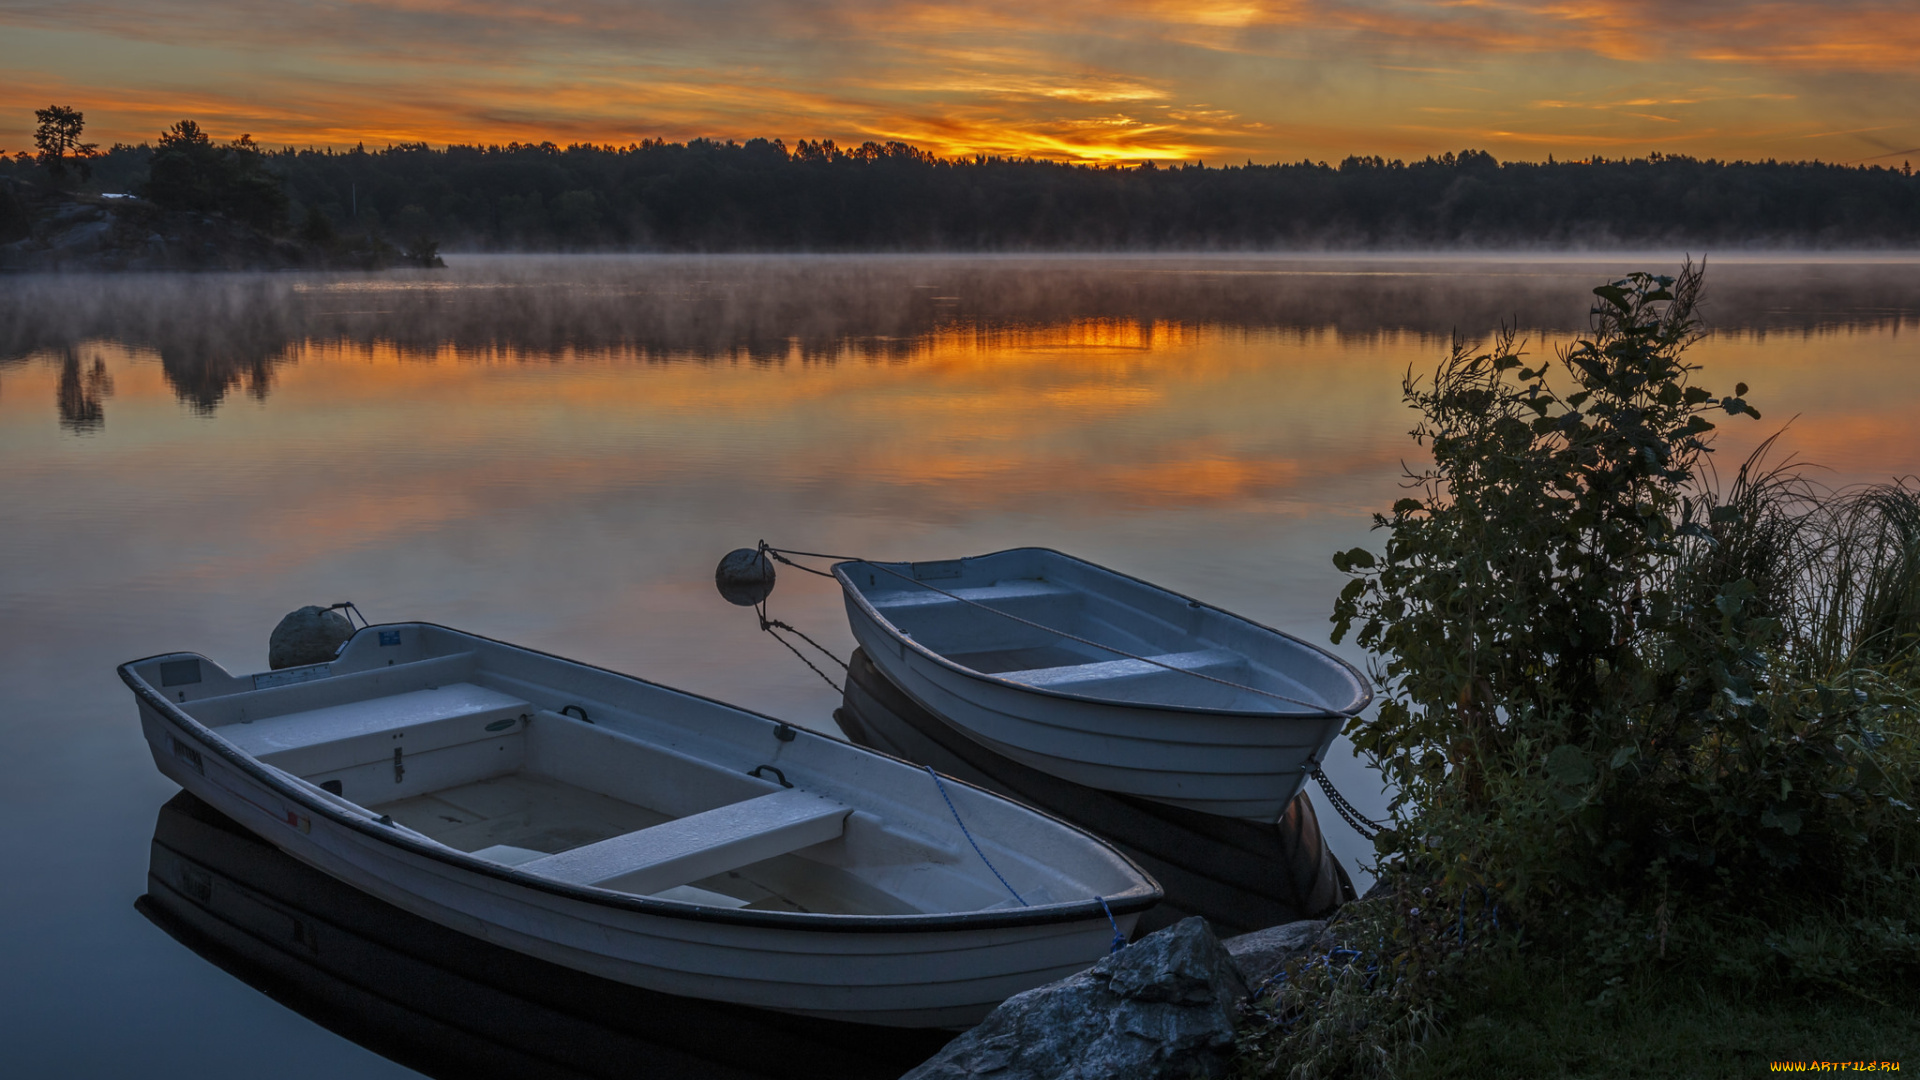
{"points": [[960, 609], [508, 769]]}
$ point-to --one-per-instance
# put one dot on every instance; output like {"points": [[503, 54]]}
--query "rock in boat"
{"points": [[1241, 875], [646, 835], [1103, 679], [449, 1005]]}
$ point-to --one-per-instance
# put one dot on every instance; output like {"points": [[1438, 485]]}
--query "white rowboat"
{"points": [[653, 837], [453, 1006], [1103, 679]]}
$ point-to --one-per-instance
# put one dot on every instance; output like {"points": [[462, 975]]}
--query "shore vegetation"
{"points": [[1654, 732]]}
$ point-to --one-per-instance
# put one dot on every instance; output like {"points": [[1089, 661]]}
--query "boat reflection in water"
{"points": [[1242, 875], [449, 1005]]}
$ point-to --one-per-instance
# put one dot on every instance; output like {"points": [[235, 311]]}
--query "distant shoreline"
{"points": [[72, 251], [762, 197]]}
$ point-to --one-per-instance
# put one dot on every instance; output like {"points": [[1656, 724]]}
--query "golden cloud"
{"points": [[1108, 81]]}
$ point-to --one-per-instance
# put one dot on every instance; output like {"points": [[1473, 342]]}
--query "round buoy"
{"points": [[311, 635], [744, 577]]}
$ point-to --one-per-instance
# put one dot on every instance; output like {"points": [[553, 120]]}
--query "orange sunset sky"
{"points": [[1116, 80]]}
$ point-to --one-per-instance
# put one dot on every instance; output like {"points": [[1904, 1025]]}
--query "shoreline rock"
{"points": [[1162, 1008], [1261, 954], [64, 232]]}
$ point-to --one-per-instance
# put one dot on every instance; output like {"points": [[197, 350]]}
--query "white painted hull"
{"points": [[936, 969], [1239, 744]]}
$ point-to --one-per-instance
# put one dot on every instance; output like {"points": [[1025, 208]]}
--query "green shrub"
{"points": [[1614, 695], [1651, 740]]}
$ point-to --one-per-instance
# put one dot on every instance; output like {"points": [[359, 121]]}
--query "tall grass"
{"points": [[1840, 568], [1859, 601]]}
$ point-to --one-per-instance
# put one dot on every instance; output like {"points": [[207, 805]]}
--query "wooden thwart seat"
{"points": [[1001, 592], [699, 845], [359, 732], [1204, 660]]}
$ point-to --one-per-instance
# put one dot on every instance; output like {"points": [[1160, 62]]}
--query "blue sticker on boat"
{"points": [[389, 637], [179, 673]]}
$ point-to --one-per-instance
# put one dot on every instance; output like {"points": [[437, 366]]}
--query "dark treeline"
{"points": [[762, 195]]}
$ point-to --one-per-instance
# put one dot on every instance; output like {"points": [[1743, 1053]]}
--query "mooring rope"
{"points": [[780, 553], [942, 785], [769, 626], [1119, 939], [350, 609]]}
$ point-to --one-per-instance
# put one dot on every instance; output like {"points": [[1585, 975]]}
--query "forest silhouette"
{"points": [[762, 195]]}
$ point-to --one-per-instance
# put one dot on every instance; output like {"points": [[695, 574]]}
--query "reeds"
{"points": [[1839, 568]]}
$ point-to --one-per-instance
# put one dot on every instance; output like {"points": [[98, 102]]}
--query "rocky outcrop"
{"points": [[61, 231], [1262, 954], [1164, 1007], [81, 232]]}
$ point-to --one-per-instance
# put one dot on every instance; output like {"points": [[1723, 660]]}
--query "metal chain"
{"points": [[1347, 811]]}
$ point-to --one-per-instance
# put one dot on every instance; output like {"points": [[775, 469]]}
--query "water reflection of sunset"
{"points": [[1844, 396], [1100, 410], [326, 432], [1101, 413]]}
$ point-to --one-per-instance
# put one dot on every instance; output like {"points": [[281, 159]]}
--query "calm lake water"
{"points": [[555, 452]]}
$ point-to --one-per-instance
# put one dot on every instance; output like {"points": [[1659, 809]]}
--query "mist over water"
{"points": [[818, 307], [556, 451]]}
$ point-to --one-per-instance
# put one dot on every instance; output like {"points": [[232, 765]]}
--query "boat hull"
{"points": [[446, 1004], [1247, 761], [1231, 766], [1240, 875]]}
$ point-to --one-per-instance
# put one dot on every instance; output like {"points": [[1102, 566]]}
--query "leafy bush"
{"points": [[1612, 689], [1651, 738]]}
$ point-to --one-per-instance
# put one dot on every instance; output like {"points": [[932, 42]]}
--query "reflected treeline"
{"points": [[82, 393], [449, 1005], [218, 334], [203, 376]]}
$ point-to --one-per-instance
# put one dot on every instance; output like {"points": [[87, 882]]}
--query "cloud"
{"points": [[1077, 79]]}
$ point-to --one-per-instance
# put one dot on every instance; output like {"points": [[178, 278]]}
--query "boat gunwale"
{"points": [[1132, 901], [1364, 689]]}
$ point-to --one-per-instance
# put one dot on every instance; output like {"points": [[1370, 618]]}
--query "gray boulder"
{"points": [[1261, 954], [311, 635], [1163, 1007]]}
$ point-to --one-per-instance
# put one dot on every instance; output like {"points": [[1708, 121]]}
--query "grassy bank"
{"points": [[1495, 1003], [1534, 1018]]}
